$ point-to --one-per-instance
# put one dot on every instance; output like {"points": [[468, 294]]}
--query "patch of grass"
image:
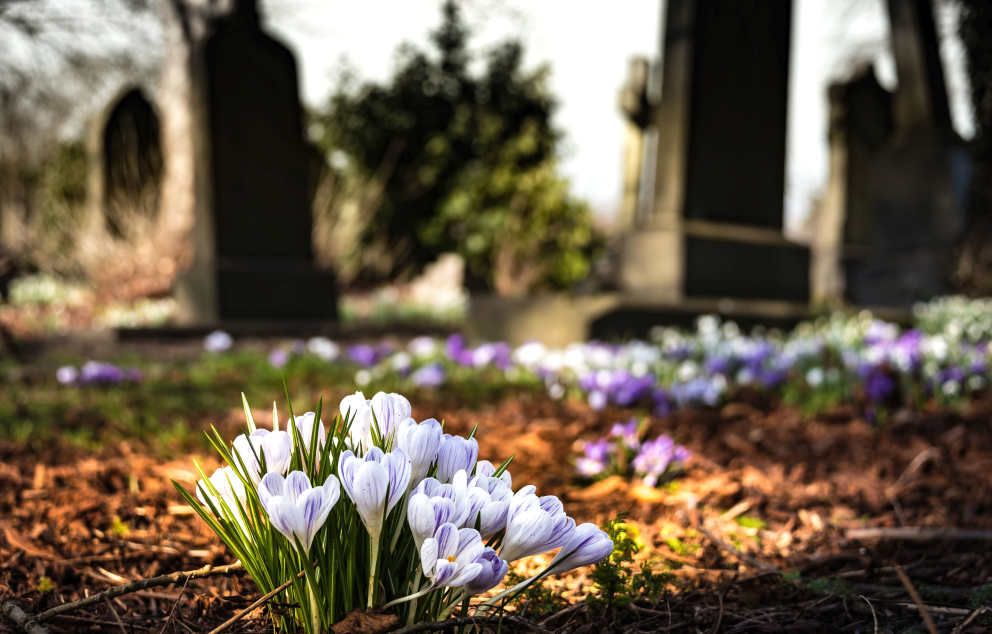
{"points": [[681, 548], [749, 521], [982, 597]]}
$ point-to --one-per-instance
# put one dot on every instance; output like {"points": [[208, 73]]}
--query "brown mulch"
{"points": [[780, 489]]}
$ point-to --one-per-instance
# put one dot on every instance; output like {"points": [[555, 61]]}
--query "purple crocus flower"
{"points": [[363, 355], [654, 458], [596, 458], [589, 544], [628, 432], [493, 571], [878, 385], [96, 373], [278, 358], [431, 375]]}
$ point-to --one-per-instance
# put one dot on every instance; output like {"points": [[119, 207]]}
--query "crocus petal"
{"points": [[526, 533], [398, 467], [369, 495], [277, 448], [421, 443], [296, 483], [272, 484], [588, 545], [456, 453]]}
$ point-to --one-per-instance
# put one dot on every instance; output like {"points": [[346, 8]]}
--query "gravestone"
{"points": [[860, 125], [636, 109], [919, 178], [253, 237], [715, 226]]}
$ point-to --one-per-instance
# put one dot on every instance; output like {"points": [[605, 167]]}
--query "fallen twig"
{"points": [[916, 534], [116, 616], [741, 556], [141, 584], [872, 608], [24, 621], [968, 621], [911, 589], [175, 606]]}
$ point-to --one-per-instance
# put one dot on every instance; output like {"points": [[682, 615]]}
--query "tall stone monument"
{"points": [[237, 159], [919, 178], [715, 225]]}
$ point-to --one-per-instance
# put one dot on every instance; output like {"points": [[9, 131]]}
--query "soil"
{"points": [[754, 534]]}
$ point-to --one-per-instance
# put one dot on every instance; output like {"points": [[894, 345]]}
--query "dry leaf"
{"points": [[359, 622]]}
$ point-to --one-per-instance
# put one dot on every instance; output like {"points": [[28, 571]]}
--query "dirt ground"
{"points": [[756, 534]]}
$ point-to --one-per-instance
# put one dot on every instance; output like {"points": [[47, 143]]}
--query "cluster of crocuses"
{"points": [[623, 452], [379, 511]]}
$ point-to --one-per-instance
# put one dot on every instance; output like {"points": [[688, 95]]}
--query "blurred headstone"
{"points": [[637, 114], [715, 227], [919, 178], [242, 165], [860, 125]]}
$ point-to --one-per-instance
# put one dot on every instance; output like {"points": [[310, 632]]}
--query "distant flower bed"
{"points": [[873, 365], [97, 373]]}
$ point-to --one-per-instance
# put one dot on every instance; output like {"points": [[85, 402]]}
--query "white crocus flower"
{"points": [[295, 507], [368, 481], [534, 525], [589, 544], [449, 557], [304, 431], [231, 491], [275, 447], [357, 409], [389, 410], [421, 443], [456, 454]]}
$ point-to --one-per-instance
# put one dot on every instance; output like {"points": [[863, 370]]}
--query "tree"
{"points": [[467, 163]]}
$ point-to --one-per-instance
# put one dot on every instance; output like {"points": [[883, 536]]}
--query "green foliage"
{"points": [[747, 521], [982, 597], [465, 161], [119, 528], [615, 583], [826, 585], [45, 584]]}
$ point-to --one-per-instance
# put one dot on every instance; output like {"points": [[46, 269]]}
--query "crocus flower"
{"points": [[628, 432], [363, 355], [358, 410], [276, 447], [588, 544], [456, 454], [323, 348], [596, 459], [486, 469], [304, 430], [278, 358], [230, 488], [426, 514], [295, 507], [421, 443], [431, 375], [217, 341], [67, 375], [388, 410], [493, 571], [368, 481], [449, 557], [654, 459], [534, 525], [487, 503]]}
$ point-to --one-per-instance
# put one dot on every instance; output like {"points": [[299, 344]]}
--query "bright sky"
{"points": [[588, 45]]}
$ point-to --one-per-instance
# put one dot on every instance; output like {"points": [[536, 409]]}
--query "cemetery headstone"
{"points": [[715, 227], [253, 241]]}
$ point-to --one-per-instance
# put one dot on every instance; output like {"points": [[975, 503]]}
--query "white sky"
{"points": [[588, 44]]}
